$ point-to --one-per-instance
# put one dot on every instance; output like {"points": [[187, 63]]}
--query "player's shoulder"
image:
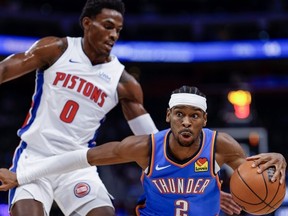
{"points": [[49, 48], [129, 87], [52, 42], [223, 137], [52, 39], [126, 77], [226, 144]]}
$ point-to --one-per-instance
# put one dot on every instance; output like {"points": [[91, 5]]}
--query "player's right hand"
{"points": [[8, 179]]}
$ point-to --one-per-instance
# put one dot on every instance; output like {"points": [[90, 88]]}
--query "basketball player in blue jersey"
{"points": [[180, 164]]}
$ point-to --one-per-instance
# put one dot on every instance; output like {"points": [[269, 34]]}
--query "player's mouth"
{"points": [[186, 134], [109, 45]]}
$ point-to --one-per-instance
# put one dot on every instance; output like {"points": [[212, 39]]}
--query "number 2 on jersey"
{"points": [[181, 208]]}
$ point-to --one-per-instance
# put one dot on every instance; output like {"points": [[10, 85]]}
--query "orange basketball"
{"points": [[254, 192]]}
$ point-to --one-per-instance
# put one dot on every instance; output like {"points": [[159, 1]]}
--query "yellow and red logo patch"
{"points": [[201, 165]]}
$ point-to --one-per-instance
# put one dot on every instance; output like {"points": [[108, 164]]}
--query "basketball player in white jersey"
{"points": [[78, 81]]}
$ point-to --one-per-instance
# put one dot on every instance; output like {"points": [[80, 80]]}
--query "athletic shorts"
{"points": [[70, 191]]}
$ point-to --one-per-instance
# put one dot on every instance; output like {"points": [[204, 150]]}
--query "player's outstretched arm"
{"points": [[131, 149], [43, 167], [271, 159]]}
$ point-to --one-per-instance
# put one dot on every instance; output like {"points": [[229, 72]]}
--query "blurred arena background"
{"points": [[232, 45]]}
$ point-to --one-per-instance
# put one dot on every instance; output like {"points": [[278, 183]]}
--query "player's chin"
{"points": [[108, 49], [185, 142]]}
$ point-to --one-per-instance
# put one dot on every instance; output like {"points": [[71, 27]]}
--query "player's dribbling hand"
{"points": [[8, 179], [228, 205], [267, 160]]}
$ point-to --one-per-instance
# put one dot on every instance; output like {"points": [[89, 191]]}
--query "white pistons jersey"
{"points": [[71, 99]]}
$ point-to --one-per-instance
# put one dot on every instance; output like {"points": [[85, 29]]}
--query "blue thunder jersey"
{"points": [[171, 188], [71, 99]]}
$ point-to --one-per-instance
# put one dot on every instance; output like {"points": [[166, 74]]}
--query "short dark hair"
{"points": [[189, 89], [93, 7]]}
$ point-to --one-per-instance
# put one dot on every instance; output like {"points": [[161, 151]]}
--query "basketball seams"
{"points": [[243, 201], [278, 202], [266, 192], [247, 187]]}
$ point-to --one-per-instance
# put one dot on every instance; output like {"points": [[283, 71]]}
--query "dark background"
{"points": [[181, 20]]}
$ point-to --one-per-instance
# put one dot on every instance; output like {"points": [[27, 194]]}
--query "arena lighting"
{"points": [[182, 52], [241, 101], [14, 44]]}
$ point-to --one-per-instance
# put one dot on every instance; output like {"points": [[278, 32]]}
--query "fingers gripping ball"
{"points": [[255, 192]]}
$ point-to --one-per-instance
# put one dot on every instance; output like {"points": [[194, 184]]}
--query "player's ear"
{"points": [[86, 21], [168, 113], [205, 119]]}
